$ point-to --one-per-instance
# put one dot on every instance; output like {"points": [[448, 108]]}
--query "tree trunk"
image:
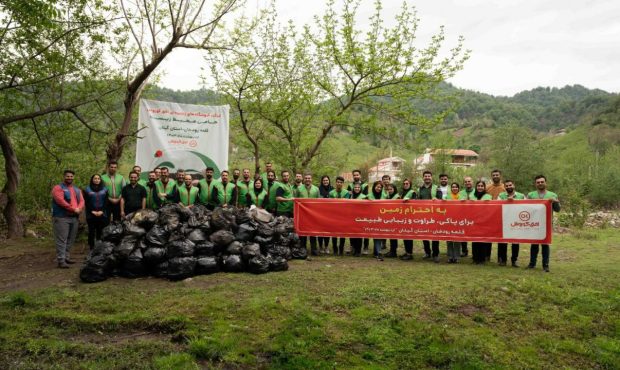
{"points": [[11, 168]]}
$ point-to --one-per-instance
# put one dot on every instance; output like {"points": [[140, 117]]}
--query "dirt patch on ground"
{"points": [[470, 310]]}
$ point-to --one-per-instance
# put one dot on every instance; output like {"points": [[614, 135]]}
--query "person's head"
{"points": [[540, 182], [427, 176], [271, 176], [187, 179], [357, 175], [164, 174], [468, 182], [339, 182], [443, 179], [246, 174], [133, 178], [357, 188], [307, 179], [236, 174], [258, 184], [152, 176], [209, 172], [68, 176], [137, 169], [325, 180], [509, 186], [180, 175], [95, 181], [377, 187], [406, 185], [390, 189], [496, 176], [386, 179], [455, 188], [224, 176], [299, 178], [268, 166], [112, 167], [286, 176], [481, 186], [157, 171]]}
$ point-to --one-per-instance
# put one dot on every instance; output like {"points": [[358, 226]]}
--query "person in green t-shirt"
{"points": [[297, 183], [244, 185], [137, 169], [407, 193], [509, 194], [209, 190], [284, 195], [481, 250], [188, 194], [180, 177], [356, 194], [152, 199], [257, 196], [392, 193], [428, 190], [228, 191], [115, 184], [466, 194], [268, 167], [307, 190], [271, 187], [339, 192], [166, 188], [541, 192], [357, 179], [376, 193]]}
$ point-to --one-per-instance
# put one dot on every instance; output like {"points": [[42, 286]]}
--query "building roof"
{"points": [[391, 159], [463, 152]]}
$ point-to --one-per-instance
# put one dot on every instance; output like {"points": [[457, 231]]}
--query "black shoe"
{"points": [[63, 265], [406, 257], [546, 268], [314, 253], [530, 266], [463, 255], [391, 255], [69, 261]]}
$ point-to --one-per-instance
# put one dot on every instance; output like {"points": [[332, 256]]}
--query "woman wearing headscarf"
{"points": [[257, 195], [96, 198], [392, 193], [480, 249], [356, 194], [377, 193], [407, 193], [324, 189], [454, 248]]}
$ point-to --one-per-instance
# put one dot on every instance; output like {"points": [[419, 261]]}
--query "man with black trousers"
{"points": [[430, 191]]}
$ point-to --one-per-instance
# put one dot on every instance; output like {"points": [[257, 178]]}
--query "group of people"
{"points": [[109, 197]]}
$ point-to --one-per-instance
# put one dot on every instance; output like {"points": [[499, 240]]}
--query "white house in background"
{"points": [[391, 166], [457, 157]]}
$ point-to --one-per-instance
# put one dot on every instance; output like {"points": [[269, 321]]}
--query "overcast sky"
{"points": [[516, 44]]}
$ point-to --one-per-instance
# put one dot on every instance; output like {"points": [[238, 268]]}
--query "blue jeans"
{"points": [[379, 243], [534, 254]]}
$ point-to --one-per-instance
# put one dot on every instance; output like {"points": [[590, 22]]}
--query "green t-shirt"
{"points": [[187, 197], [169, 189], [517, 196], [485, 197], [547, 195], [304, 192], [271, 195], [465, 195], [338, 194], [115, 185]]}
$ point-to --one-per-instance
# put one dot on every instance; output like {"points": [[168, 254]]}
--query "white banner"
{"points": [[182, 136]]}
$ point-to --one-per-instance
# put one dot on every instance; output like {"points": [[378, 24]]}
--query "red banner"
{"points": [[519, 221]]}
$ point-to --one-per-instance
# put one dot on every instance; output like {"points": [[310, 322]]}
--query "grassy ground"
{"points": [[326, 313]]}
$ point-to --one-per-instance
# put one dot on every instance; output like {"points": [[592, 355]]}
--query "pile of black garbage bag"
{"points": [[178, 242]]}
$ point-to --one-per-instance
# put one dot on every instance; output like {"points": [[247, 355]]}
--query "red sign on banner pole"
{"points": [[519, 221]]}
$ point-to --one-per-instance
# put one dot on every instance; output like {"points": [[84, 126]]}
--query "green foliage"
{"points": [[177, 361]]}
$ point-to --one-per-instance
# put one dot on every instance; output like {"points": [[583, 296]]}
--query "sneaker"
{"points": [[63, 265], [406, 257], [365, 251], [426, 256], [379, 258], [530, 266], [436, 259], [546, 268], [314, 253], [514, 264], [391, 255], [69, 261]]}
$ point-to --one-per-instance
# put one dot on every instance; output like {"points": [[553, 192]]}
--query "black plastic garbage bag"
{"points": [[207, 265], [266, 230], [299, 253], [154, 255], [102, 248], [242, 215], [157, 236], [197, 236], [233, 263], [125, 247], [133, 266], [95, 270], [132, 229], [222, 237], [250, 251], [245, 232], [144, 218], [258, 265], [280, 251], [263, 241], [223, 219], [277, 263], [200, 217], [161, 269], [206, 248], [180, 268], [234, 248], [180, 248], [112, 233], [170, 221]]}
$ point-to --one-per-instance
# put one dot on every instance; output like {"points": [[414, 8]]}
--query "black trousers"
{"points": [[356, 244], [114, 211], [366, 243], [323, 241], [427, 247], [408, 246], [479, 251], [464, 249], [338, 245], [303, 240], [393, 246], [502, 252], [95, 229]]}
